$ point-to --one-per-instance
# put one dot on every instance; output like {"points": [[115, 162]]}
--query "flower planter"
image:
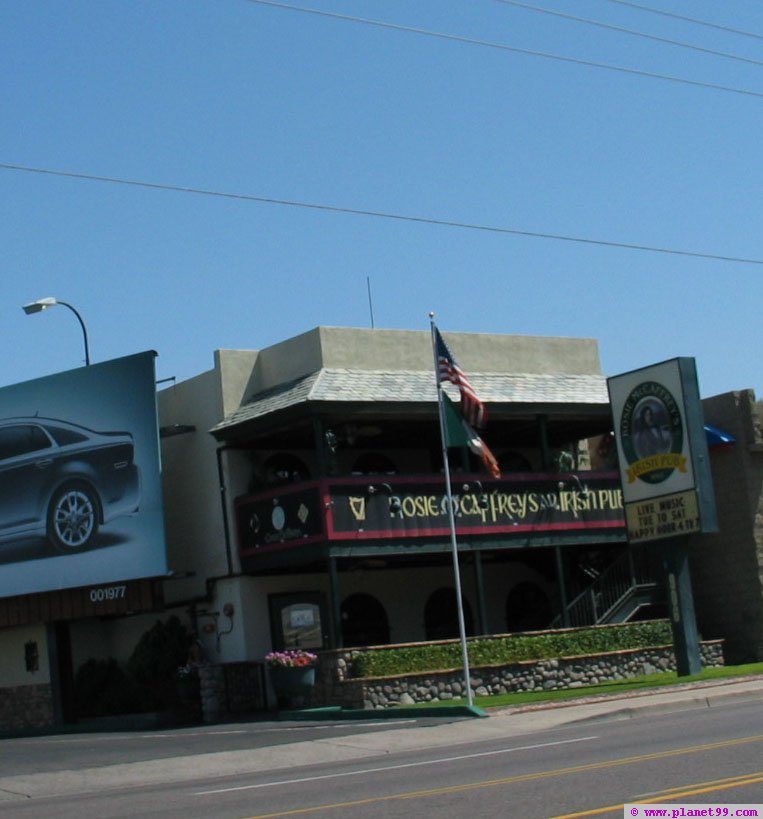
{"points": [[292, 675], [292, 681]]}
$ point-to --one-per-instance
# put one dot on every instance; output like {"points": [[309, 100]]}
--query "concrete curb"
{"points": [[396, 712]]}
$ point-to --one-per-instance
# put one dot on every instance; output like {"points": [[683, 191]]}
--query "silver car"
{"points": [[62, 481]]}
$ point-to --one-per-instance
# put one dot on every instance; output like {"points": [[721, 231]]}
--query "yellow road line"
{"points": [[591, 766], [675, 793]]}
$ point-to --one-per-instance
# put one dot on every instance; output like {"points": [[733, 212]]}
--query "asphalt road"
{"points": [[61, 753], [578, 761]]}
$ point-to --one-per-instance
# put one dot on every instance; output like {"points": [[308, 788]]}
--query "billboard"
{"points": [[80, 484], [662, 451]]}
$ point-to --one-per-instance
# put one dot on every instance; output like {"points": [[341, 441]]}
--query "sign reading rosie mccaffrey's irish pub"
{"points": [[367, 509], [662, 451]]}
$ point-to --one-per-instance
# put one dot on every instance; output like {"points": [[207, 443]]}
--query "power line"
{"points": [[502, 47], [688, 19], [632, 32], [400, 217]]}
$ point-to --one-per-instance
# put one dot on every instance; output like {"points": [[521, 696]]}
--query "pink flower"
{"points": [[291, 658]]}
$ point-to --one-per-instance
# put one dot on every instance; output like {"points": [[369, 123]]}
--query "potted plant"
{"points": [[292, 672]]}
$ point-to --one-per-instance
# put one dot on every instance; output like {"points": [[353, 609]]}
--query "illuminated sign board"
{"points": [[80, 488], [662, 451]]}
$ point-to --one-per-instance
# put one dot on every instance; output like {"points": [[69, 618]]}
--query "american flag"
{"points": [[472, 408]]}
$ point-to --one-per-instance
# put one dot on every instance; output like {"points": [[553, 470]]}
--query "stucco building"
{"points": [[316, 505], [304, 505]]}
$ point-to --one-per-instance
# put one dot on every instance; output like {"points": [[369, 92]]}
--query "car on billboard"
{"points": [[62, 481]]}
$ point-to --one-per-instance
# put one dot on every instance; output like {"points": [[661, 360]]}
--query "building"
{"points": [[304, 505], [315, 508], [727, 567]]}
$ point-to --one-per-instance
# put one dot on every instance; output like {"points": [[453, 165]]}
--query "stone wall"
{"points": [[336, 687], [26, 706]]}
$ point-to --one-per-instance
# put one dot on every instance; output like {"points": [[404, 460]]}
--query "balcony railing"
{"points": [[525, 506]]}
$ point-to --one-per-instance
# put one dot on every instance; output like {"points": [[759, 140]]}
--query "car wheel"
{"points": [[73, 518]]}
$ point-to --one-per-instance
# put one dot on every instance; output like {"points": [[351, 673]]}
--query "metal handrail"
{"points": [[608, 590]]}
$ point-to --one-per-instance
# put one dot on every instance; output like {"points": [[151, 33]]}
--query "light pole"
{"points": [[43, 304]]}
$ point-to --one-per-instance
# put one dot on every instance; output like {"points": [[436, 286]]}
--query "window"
{"points": [[364, 621], [441, 615], [527, 608], [285, 468], [65, 436], [373, 463], [22, 439], [513, 462]]}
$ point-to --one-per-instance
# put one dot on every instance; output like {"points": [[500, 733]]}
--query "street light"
{"points": [[43, 304]]}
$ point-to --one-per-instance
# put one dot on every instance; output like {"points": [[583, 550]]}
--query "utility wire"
{"points": [[633, 32], [502, 47], [376, 214], [688, 19]]}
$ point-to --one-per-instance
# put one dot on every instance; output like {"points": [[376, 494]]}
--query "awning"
{"points": [[717, 438]]}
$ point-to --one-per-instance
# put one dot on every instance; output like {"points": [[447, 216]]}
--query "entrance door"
{"points": [[298, 620], [61, 673]]}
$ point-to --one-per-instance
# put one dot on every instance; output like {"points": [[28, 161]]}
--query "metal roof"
{"points": [[368, 386]]}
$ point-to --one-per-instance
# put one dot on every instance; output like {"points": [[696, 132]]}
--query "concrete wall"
{"points": [[193, 512], [236, 370], [13, 668], [475, 352], [727, 568], [389, 350]]}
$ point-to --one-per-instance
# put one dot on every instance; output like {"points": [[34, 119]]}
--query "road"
{"points": [[490, 768]]}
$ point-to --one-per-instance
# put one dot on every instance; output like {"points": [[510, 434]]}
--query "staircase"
{"points": [[616, 595]]}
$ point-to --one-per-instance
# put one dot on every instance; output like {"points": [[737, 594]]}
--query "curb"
{"points": [[667, 690], [395, 712]]}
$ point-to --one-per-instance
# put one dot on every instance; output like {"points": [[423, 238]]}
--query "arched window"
{"points": [[364, 621], [373, 463], [527, 608], [282, 467], [441, 615]]}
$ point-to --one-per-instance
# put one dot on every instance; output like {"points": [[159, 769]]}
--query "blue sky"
{"points": [[239, 97]]}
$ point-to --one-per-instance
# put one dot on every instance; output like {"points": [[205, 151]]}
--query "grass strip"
{"points": [[647, 681]]}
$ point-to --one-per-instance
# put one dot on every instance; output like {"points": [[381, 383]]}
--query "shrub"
{"points": [[149, 682], [155, 660], [159, 651], [101, 688], [485, 651]]}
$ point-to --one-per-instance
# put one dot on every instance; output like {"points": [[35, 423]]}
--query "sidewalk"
{"points": [[500, 724]]}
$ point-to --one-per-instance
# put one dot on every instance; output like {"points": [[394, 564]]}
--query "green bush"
{"points": [[149, 681], [155, 660], [511, 649], [159, 652], [101, 688]]}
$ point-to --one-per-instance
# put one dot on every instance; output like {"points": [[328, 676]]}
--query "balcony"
{"points": [[386, 514]]}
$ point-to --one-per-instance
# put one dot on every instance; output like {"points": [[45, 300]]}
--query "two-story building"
{"points": [[316, 507], [304, 505]]}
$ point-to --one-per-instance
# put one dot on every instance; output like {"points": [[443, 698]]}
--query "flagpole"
{"points": [[452, 521]]}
